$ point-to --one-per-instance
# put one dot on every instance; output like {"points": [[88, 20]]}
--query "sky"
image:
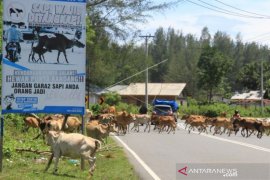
{"points": [[190, 18]]}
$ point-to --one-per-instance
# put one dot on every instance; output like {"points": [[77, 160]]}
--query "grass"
{"points": [[111, 164]]}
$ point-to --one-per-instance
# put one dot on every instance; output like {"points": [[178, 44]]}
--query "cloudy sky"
{"points": [[251, 18]]}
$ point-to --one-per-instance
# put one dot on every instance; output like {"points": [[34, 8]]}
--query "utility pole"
{"points": [[146, 74], [88, 82], [262, 86]]}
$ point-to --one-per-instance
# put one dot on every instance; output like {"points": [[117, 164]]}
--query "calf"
{"points": [[40, 51], [73, 145]]}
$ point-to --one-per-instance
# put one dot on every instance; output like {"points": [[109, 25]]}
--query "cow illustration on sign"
{"points": [[59, 42]]}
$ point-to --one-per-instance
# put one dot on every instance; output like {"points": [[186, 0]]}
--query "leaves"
{"points": [[213, 66]]}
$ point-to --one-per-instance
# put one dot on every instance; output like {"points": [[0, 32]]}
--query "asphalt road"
{"points": [[158, 155]]}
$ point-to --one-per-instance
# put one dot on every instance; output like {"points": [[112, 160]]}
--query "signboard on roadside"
{"points": [[43, 67]]}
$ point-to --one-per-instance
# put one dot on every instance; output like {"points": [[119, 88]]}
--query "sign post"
{"points": [[44, 53]]}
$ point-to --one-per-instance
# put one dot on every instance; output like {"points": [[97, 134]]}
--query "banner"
{"points": [[43, 67]]}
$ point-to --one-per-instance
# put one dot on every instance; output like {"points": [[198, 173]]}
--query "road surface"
{"points": [[159, 155]]}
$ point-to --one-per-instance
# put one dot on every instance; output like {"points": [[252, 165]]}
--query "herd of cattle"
{"points": [[63, 137], [247, 125]]}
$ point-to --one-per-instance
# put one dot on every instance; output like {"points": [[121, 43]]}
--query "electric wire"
{"points": [[220, 10], [242, 9]]}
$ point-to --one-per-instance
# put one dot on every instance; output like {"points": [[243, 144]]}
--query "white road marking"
{"points": [[147, 168], [181, 125]]}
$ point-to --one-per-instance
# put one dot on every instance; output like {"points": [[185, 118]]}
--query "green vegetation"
{"points": [[215, 109], [110, 164]]}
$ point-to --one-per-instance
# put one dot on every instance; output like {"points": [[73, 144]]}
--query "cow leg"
{"points": [[205, 130], [215, 130], [31, 52], [65, 55], [138, 127], [58, 57], [224, 130], [91, 162], [250, 133], [160, 128], [133, 126], [189, 129], [170, 129], [211, 128], [57, 156], [40, 58], [229, 132], [259, 134], [49, 162], [147, 125], [30, 56], [201, 129], [243, 132], [186, 125]]}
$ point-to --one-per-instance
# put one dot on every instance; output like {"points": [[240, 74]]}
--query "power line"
{"points": [[135, 74], [256, 37], [225, 10], [259, 37], [221, 10], [242, 9]]}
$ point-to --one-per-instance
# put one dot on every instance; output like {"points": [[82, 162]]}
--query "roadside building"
{"points": [[251, 98], [134, 93]]}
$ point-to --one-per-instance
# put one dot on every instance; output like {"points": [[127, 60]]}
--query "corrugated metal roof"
{"points": [[113, 89], [252, 95], [162, 89], [117, 88]]}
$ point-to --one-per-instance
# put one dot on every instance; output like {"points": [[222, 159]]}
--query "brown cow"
{"points": [[248, 124], [122, 121], [167, 121], [99, 131]]}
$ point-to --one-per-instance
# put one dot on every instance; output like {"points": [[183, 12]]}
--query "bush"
{"points": [[215, 109], [112, 98], [96, 108], [127, 107]]}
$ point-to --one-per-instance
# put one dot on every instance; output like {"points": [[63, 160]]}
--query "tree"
{"points": [[205, 38], [250, 76], [119, 16], [158, 52], [213, 66]]}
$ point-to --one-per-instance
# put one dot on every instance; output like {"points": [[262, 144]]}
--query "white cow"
{"points": [[73, 145], [141, 119]]}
